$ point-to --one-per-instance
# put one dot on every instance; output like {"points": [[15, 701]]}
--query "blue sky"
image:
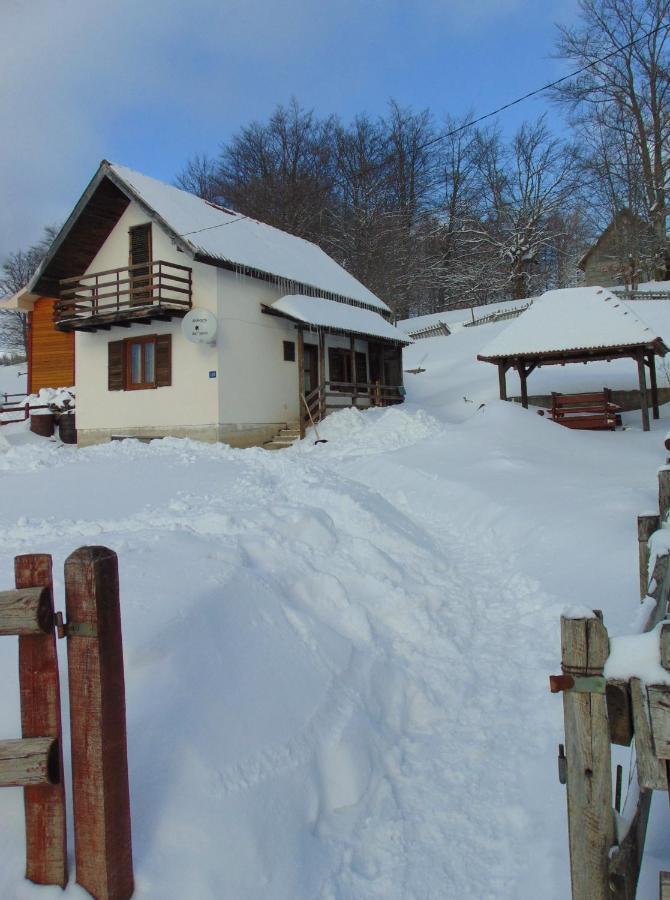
{"points": [[147, 83]]}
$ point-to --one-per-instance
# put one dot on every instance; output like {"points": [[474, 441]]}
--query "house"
{"points": [[50, 352], [622, 255], [293, 328]]}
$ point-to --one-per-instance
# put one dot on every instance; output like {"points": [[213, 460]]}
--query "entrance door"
{"points": [[310, 368]]}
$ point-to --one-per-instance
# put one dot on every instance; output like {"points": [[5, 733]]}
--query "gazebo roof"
{"points": [[574, 323]]}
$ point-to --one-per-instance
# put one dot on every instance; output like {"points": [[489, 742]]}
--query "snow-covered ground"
{"points": [[13, 379], [337, 654]]}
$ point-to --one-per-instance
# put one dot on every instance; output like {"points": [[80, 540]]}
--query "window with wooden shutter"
{"points": [[139, 256], [116, 359], [140, 363]]}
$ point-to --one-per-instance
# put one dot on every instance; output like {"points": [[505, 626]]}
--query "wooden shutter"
{"points": [[140, 244], [164, 360], [116, 365]]}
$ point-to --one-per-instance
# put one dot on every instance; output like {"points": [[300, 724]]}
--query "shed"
{"points": [[577, 325]]}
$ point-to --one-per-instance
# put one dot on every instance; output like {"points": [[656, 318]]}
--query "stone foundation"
{"points": [[252, 435]]}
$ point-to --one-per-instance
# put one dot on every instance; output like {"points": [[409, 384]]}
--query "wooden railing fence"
{"points": [[364, 394], [606, 849], [97, 722], [25, 409]]}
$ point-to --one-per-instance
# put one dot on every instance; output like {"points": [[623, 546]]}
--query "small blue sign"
{"points": [[212, 374]]}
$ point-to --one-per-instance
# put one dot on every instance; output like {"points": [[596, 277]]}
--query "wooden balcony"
{"points": [[141, 294]]}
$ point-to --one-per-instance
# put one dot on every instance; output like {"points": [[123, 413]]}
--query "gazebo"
{"points": [[576, 325]]}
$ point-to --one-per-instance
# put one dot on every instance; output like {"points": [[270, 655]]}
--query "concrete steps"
{"points": [[286, 437]]}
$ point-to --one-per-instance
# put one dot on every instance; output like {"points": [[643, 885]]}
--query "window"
{"points": [[140, 363], [339, 367], [139, 253], [289, 351]]}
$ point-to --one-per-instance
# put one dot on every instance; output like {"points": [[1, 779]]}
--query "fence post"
{"points": [[46, 839], [646, 526], [585, 647], [98, 722], [663, 493]]}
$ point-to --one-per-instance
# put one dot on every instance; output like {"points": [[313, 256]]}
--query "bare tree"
{"points": [[200, 176], [15, 273], [622, 105]]}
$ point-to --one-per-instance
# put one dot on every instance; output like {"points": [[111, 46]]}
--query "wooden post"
{"points": [[644, 400], [664, 886], [585, 648], [322, 373], [354, 390], [301, 381], [521, 369], [646, 526], [26, 611], [654, 385], [98, 721], [502, 380], [29, 761], [39, 685], [663, 493]]}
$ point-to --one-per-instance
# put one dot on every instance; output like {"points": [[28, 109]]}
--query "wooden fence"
{"points": [[97, 722], [606, 848]]}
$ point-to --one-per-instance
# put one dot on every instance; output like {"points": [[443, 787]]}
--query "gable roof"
{"points": [[624, 217], [206, 231], [569, 321]]}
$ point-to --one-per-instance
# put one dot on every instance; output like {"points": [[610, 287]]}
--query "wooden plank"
{"points": [[619, 712], [46, 834], [663, 493], [659, 590], [585, 647], [646, 526], [664, 886], [626, 860], [98, 723], [651, 772], [26, 611], [659, 715], [29, 761]]}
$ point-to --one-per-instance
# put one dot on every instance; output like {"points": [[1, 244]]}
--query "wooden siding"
{"points": [[51, 352]]}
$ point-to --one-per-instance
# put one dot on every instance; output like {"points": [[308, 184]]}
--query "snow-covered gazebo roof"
{"points": [[585, 320], [576, 325]]}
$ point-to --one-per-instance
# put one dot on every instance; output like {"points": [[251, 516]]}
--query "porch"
{"points": [[142, 293]]}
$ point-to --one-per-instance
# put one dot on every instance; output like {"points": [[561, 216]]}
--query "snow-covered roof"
{"points": [[331, 314], [217, 233], [572, 320]]}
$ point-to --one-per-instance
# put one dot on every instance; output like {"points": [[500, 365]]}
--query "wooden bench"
{"points": [[592, 411]]}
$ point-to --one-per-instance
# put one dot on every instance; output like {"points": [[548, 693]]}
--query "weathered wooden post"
{"points": [[98, 722], [646, 526], [585, 647], [663, 493], [39, 685]]}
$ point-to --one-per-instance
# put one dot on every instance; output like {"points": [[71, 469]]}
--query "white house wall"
{"points": [[190, 405]]}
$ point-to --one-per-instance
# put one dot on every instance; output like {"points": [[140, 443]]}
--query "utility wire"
{"points": [[495, 112], [545, 87]]}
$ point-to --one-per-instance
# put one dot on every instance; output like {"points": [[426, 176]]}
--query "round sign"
{"points": [[199, 326]]}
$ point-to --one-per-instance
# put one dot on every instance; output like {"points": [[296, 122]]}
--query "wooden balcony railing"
{"points": [[152, 290]]}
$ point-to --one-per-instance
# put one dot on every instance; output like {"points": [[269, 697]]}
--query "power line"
{"points": [[238, 218], [546, 87]]}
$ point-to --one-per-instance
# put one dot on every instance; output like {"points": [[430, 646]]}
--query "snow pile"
{"points": [[329, 313], [5, 446], [56, 398], [353, 432], [637, 656], [337, 655]]}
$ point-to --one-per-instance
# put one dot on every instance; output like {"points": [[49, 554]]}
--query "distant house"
{"points": [[294, 329], [622, 255], [50, 352]]}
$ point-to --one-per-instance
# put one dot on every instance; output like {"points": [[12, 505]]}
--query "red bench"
{"points": [[593, 411]]}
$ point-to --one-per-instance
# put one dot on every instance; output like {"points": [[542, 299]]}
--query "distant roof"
{"points": [[572, 320], [330, 314], [624, 215], [209, 232]]}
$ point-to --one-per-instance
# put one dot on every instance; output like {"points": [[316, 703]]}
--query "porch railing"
{"points": [[119, 291], [322, 399]]}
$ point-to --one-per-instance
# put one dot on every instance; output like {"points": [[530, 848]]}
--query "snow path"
{"points": [[414, 632]]}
